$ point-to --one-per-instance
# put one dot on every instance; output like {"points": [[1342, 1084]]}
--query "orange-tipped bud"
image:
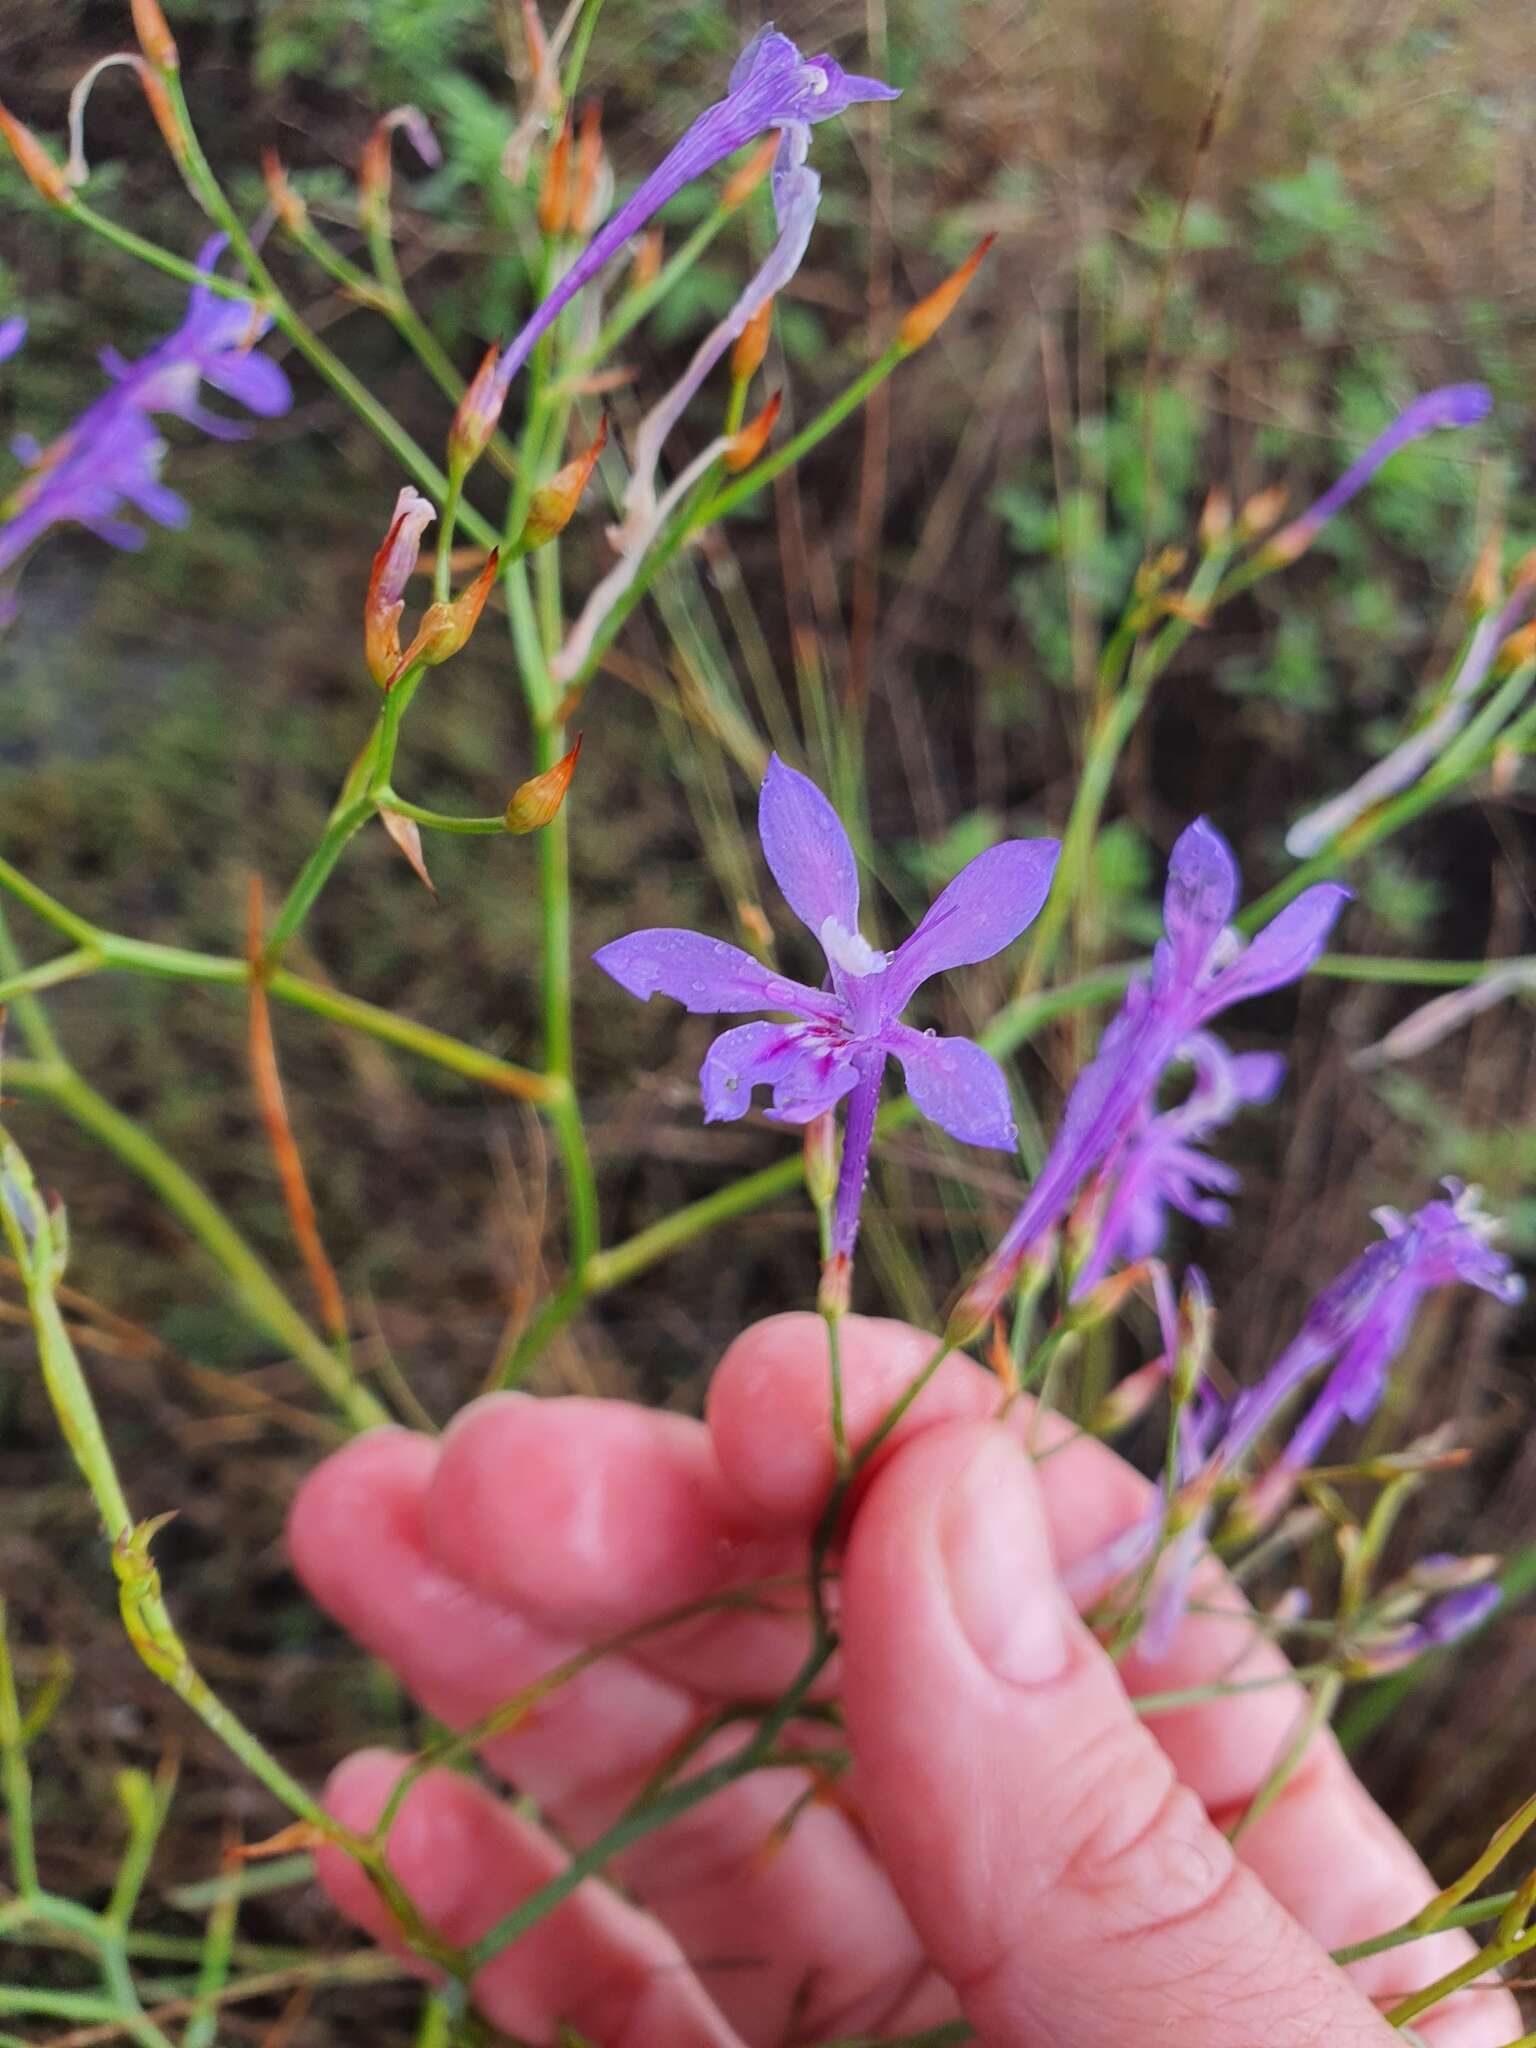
{"points": [[646, 268], [821, 1159], [155, 38], [1517, 650], [537, 800], [1130, 1400], [836, 1290], [475, 421], [39, 167], [163, 108], [1215, 518], [445, 628], [1260, 512], [744, 448], [392, 567], [551, 508], [752, 344], [588, 179], [1000, 1357], [929, 315], [1484, 583], [742, 183], [375, 174], [291, 211], [554, 208]]}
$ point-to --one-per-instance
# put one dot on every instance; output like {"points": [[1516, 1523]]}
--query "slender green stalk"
{"points": [[15, 1774], [252, 1286]]}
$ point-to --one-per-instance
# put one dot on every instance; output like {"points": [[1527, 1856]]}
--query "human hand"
{"points": [[1016, 1843]]}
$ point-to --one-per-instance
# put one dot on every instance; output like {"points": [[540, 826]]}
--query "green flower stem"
{"points": [[1493, 1957], [443, 821], [35, 1246], [16, 1775], [253, 1287], [1113, 723]]}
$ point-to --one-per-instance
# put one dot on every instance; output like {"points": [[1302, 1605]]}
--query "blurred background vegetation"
{"points": [[1356, 226]]}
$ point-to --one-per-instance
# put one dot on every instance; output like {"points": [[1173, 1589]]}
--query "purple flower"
{"points": [[1451, 405], [110, 458], [1444, 1623], [771, 86], [1161, 1167], [841, 1035], [90, 483], [796, 197], [1358, 1325], [1199, 968], [13, 333]]}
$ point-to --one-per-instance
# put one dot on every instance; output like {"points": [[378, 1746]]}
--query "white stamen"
{"points": [[850, 951]]}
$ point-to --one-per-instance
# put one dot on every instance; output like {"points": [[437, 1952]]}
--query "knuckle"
{"points": [[1138, 1843]]}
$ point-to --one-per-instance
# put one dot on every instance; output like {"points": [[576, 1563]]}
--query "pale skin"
{"points": [[1012, 1841]]}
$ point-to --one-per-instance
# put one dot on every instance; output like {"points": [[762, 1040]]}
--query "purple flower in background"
{"points": [[110, 458], [796, 197], [214, 345], [841, 1035], [1451, 405], [1161, 1166], [771, 86], [1443, 1624], [13, 333], [90, 483], [1358, 1325], [1200, 968]]}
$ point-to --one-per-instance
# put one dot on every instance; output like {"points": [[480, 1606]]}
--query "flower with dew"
{"points": [[771, 86], [1162, 1167], [1450, 405], [838, 1038], [1199, 968], [111, 457]]}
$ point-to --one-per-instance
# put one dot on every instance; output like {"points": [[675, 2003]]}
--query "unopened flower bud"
{"points": [[1259, 513], [742, 183], [392, 567], [752, 344], [1441, 1573], [375, 175], [38, 166], [157, 93], [925, 319], [821, 1158], [1485, 583], [1260, 1505], [1163, 567], [291, 211], [155, 38], [646, 267], [1215, 518], [535, 802], [588, 181], [1105, 1301], [551, 508], [1000, 1357], [554, 208], [1130, 1400], [445, 628], [475, 420], [746, 446]]}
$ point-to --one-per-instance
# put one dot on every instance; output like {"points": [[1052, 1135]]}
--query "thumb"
{"points": [[1072, 1891]]}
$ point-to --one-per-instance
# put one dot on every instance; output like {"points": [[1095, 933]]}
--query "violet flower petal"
{"points": [[254, 381], [807, 850], [806, 1075], [1451, 405], [13, 332], [1200, 898], [707, 976], [992, 899], [1282, 951], [956, 1084]]}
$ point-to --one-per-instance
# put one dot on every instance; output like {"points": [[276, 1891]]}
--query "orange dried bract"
{"points": [[752, 344], [553, 504], [155, 38], [745, 447], [42, 172], [554, 209], [742, 183]]}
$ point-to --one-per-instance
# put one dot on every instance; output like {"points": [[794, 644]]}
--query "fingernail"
{"points": [[1002, 1577]]}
